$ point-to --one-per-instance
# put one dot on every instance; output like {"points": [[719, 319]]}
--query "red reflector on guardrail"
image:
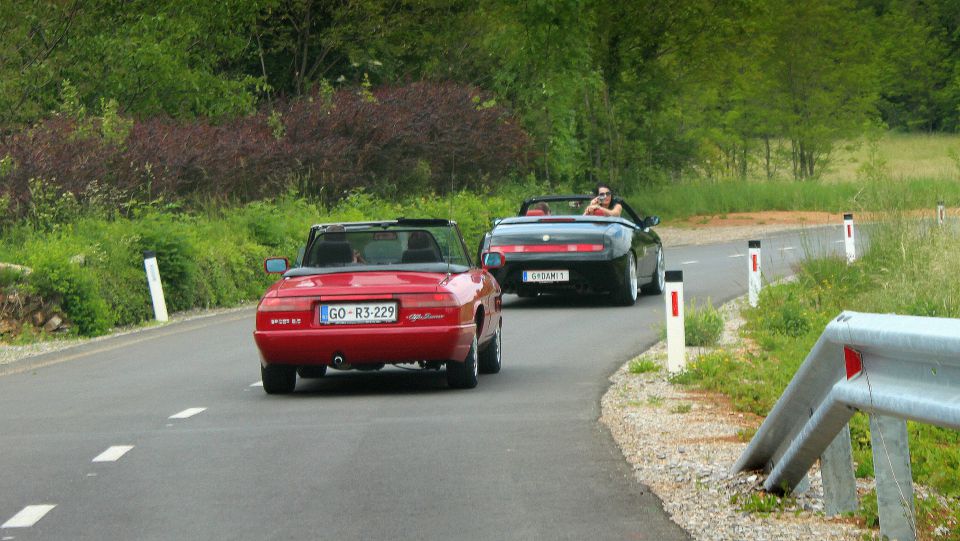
{"points": [[853, 360]]}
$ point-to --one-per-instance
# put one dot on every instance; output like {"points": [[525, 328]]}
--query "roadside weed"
{"points": [[643, 365], [682, 408]]}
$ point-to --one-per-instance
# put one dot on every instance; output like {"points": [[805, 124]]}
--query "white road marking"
{"points": [[736, 255], [112, 454], [257, 384], [29, 516], [190, 412], [839, 241], [689, 262], [787, 248]]}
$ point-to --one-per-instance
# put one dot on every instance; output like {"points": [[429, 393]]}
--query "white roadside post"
{"points": [[848, 238], [941, 213], [156, 288], [753, 272], [676, 340]]}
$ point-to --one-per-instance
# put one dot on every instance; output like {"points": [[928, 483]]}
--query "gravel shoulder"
{"points": [[682, 443]]}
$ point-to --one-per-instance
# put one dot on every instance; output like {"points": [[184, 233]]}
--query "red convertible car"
{"points": [[367, 294]]}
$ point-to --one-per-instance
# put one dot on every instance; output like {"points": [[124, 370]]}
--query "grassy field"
{"points": [[896, 171], [905, 155]]}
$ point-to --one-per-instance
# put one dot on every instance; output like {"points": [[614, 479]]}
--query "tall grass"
{"points": [[905, 155], [678, 201]]}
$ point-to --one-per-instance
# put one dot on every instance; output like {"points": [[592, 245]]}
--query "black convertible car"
{"points": [[552, 247]]}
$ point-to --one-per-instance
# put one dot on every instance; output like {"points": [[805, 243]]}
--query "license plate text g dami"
{"points": [[546, 276]]}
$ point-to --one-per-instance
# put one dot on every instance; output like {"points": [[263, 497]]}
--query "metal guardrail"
{"points": [[895, 368]]}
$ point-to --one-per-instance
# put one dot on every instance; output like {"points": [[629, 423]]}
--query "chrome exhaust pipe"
{"points": [[338, 360]]}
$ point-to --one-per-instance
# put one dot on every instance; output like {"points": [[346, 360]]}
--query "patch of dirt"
{"points": [[740, 226], [771, 217]]}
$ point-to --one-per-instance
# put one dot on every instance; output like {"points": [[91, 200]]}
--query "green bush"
{"points": [[57, 273], [703, 325], [172, 238]]}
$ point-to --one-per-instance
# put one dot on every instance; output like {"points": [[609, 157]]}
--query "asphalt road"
{"points": [[388, 455]]}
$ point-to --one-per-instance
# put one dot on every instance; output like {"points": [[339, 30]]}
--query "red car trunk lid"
{"points": [[360, 283]]}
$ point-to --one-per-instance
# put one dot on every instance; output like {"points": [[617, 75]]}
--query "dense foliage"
{"points": [[336, 143], [627, 92]]}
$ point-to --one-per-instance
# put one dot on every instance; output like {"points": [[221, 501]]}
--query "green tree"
{"points": [[32, 36], [163, 58], [825, 71]]}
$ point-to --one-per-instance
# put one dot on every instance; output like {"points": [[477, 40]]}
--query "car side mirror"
{"points": [[651, 221], [276, 265], [492, 260]]}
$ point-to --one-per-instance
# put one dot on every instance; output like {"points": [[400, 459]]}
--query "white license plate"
{"points": [[358, 312], [546, 276]]}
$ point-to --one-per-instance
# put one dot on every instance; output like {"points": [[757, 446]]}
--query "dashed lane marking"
{"points": [[28, 516], [689, 262], [787, 248], [736, 255], [187, 413], [257, 384], [112, 454]]}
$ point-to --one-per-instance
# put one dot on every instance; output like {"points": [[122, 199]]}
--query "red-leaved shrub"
{"points": [[418, 136]]}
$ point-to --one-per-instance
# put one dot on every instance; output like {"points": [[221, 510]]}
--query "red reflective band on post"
{"points": [[853, 360], [540, 248], [674, 299], [754, 262], [849, 231]]}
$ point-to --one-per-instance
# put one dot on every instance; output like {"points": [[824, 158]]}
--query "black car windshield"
{"points": [[379, 247]]}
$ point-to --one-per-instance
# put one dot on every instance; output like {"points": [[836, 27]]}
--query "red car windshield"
{"points": [[378, 246]]}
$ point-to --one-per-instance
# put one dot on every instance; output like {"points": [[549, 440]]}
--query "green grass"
{"points": [[905, 171], [906, 155], [642, 366], [702, 325], [763, 503]]}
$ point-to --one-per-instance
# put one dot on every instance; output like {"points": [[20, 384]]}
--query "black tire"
{"points": [[278, 379], [463, 375], [658, 281], [312, 371], [490, 356], [526, 293], [626, 294]]}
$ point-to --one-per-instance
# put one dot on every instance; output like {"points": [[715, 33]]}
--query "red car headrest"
{"points": [[536, 212]]}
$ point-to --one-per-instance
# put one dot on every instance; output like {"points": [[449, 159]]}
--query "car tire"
{"points": [[312, 371], [658, 282], [464, 375], [527, 293], [490, 356], [278, 379], [626, 294]]}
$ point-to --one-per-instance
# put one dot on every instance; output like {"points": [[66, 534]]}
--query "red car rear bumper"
{"points": [[365, 345]]}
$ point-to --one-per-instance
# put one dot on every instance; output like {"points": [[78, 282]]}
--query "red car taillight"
{"points": [[427, 300], [551, 248], [286, 304]]}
